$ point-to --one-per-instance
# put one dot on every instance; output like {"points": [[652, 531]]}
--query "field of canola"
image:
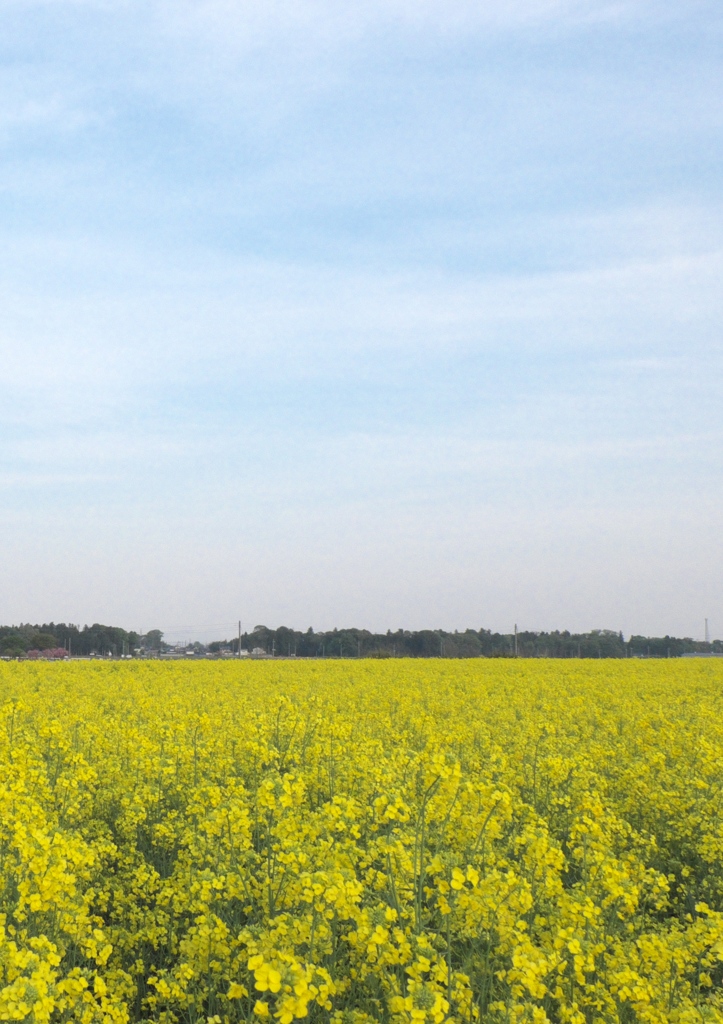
{"points": [[350, 842]]}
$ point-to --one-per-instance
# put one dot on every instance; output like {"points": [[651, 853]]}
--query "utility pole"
{"points": [[239, 638], [515, 639], [707, 632]]}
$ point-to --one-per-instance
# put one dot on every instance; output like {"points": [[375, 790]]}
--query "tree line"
{"points": [[469, 643], [103, 641], [19, 641]]}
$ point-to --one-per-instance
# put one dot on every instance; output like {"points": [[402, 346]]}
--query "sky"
{"points": [[386, 314]]}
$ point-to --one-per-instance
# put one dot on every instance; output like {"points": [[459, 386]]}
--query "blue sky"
{"points": [[387, 314]]}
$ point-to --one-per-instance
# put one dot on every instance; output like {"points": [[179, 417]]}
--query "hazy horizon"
{"points": [[206, 633], [376, 313]]}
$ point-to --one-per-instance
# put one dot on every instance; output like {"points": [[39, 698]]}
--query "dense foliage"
{"points": [[469, 643], [349, 842], [18, 641]]}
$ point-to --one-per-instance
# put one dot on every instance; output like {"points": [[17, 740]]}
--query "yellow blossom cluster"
{"points": [[402, 841]]}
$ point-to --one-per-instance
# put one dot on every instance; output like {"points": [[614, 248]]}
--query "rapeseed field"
{"points": [[408, 842]]}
